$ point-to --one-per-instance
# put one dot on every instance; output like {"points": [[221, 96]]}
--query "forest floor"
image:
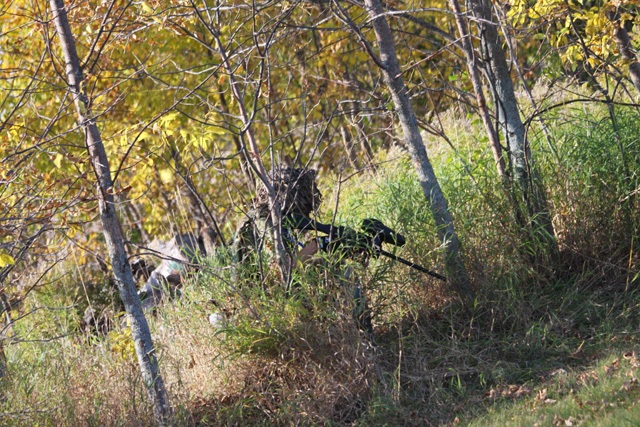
{"points": [[549, 339]]}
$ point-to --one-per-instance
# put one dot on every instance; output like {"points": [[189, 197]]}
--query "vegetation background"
{"points": [[195, 103]]}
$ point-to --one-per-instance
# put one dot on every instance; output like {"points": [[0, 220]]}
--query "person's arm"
{"points": [[301, 222]]}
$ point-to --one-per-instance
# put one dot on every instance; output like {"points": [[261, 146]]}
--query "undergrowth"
{"points": [[299, 358]]}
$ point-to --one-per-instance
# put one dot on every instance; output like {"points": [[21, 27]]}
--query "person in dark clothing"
{"points": [[254, 249]]}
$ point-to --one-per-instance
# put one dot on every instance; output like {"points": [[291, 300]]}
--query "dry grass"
{"points": [[304, 362]]}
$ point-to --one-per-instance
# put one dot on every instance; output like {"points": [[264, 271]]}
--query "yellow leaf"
{"points": [[58, 160], [72, 232], [217, 130], [362, 56], [6, 259], [146, 7], [166, 175]]}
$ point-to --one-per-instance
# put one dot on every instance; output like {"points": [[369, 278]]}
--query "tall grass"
{"points": [[300, 358]]}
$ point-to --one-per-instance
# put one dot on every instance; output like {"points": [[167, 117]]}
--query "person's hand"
{"points": [[309, 250], [347, 242]]}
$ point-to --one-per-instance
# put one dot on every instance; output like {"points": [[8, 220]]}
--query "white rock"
{"points": [[217, 319]]}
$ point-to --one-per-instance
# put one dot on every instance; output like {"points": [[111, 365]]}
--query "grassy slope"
{"points": [[604, 393], [535, 326]]}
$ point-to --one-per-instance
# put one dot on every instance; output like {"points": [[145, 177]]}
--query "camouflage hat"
{"points": [[295, 188]]}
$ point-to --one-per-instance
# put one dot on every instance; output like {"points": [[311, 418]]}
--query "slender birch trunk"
{"points": [[454, 264], [112, 231], [467, 48], [500, 79], [521, 161], [362, 136], [349, 148], [624, 44], [275, 205]]}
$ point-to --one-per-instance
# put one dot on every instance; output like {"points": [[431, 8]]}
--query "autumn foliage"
{"points": [[197, 103]]}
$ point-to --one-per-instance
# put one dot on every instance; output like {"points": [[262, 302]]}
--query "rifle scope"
{"points": [[376, 228]]}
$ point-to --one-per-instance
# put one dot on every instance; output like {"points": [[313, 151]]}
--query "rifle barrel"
{"points": [[412, 265]]}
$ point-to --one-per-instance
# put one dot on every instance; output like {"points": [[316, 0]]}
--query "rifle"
{"points": [[374, 234]]}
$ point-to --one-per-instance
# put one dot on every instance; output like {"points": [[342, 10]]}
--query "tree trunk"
{"points": [[362, 136], [349, 148], [112, 231], [6, 310], [454, 264], [255, 161], [624, 44], [494, 140], [499, 77], [506, 103]]}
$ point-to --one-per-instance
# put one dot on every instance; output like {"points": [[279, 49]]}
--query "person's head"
{"points": [[295, 189]]}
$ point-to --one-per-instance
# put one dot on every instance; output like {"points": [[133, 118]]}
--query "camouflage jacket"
{"points": [[253, 244]]}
